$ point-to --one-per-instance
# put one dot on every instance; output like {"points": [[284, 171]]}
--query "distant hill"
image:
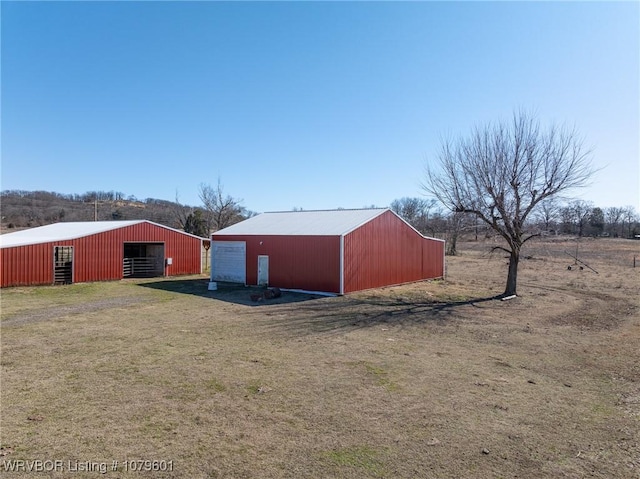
{"points": [[27, 209]]}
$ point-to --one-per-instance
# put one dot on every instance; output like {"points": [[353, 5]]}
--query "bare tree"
{"points": [[438, 225], [455, 227], [630, 218], [612, 217], [196, 224], [581, 211], [575, 216], [567, 220], [180, 212], [596, 221], [415, 211], [548, 212], [221, 209], [502, 171]]}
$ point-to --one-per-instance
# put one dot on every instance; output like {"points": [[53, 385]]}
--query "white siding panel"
{"points": [[228, 261]]}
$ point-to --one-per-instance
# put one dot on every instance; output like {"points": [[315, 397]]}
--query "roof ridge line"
{"points": [[327, 210]]}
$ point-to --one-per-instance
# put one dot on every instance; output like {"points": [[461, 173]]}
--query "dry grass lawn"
{"points": [[430, 380]]}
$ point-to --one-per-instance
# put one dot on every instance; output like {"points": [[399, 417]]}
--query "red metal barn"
{"points": [[97, 251], [332, 251]]}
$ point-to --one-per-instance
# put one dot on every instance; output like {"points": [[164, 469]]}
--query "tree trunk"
{"points": [[512, 277], [452, 244]]}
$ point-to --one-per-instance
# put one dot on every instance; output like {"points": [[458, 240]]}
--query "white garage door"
{"points": [[228, 261]]}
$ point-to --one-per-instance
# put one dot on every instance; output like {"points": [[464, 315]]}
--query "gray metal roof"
{"points": [[304, 223], [68, 231]]}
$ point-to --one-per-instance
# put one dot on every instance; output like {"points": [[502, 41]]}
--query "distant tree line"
{"points": [[27, 209], [583, 218], [552, 217], [84, 197]]}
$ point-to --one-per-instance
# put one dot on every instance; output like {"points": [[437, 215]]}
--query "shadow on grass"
{"points": [[349, 313], [302, 313], [228, 292]]}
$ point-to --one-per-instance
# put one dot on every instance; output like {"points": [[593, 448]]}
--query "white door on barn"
{"points": [[263, 270], [228, 261]]}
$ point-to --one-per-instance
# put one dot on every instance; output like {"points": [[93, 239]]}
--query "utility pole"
{"points": [[95, 210]]}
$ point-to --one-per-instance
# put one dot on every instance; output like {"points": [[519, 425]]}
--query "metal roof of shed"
{"points": [[303, 223], [68, 231]]}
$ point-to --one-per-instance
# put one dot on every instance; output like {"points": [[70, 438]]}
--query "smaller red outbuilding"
{"points": [[77, 252], [331, 251]]}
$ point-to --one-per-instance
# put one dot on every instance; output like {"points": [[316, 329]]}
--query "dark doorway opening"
{"points": [[143, 260], [63, 264]]}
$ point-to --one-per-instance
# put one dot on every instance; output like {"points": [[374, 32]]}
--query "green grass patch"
{"points": [[215, 386], [253, 388], [361, 457], [381, 376], [602, 410]]}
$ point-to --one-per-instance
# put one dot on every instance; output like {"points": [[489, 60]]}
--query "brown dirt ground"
{"points": [[434, 379]]}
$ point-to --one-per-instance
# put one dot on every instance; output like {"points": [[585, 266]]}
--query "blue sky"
{"points": [[311, 105]]}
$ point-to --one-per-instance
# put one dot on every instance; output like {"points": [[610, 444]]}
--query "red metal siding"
{"points": [[99, 257], [25, 265], [432, 258], [386, 251], [311, 263]]}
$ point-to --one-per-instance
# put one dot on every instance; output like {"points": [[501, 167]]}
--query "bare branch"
{"points": [[501, 172], [222, 210]]}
